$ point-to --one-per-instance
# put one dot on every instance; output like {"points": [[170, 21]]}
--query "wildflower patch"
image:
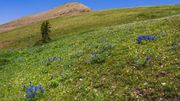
{"points": [[33, 92], [146, 38]]}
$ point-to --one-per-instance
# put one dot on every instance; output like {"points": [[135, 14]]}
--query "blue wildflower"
{"points": [[27, 91], [41, 89], [148, 58], [52, 59], [32, 90], [93, 55], [36, 88], [150, 38]]}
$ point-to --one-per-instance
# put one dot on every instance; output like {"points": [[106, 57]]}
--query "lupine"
{"points": [[32, 90], [150, 38], [148, 58], [41, 89]]}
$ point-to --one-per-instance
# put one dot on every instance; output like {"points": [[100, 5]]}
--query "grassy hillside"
{"points": [[29, 35], [96, 57]]}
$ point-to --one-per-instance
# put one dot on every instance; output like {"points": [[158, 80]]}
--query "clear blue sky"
{"points": [[13, 9]]}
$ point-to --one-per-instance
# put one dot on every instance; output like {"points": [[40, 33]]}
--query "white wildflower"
{"points": [[163, 83]]}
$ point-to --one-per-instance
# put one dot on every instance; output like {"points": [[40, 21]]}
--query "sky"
{"points": [[14, 9]]}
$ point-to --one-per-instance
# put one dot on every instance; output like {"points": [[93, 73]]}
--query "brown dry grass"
{"points": [[5, 44]]}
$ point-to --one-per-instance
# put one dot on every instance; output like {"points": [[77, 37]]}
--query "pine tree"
{"points": [[45, 30]]}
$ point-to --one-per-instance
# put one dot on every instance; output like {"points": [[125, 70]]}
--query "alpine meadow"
{"points": [[126, 54]]}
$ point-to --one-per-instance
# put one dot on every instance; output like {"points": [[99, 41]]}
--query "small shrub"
{"points": [[3, 61], [54, 83]]}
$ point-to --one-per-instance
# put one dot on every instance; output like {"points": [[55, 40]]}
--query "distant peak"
{"points": [[73, 4]]}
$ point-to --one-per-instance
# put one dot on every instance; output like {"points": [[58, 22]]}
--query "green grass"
{"points": [[116, 73]]}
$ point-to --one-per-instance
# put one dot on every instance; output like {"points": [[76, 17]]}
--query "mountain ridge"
{"points": [[67, 9]]}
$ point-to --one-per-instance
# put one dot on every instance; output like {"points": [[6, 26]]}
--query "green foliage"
{"points": [[3, 61], [54, 83]]}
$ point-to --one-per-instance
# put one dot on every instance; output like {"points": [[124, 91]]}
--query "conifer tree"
{"points": [[45, 30]]}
